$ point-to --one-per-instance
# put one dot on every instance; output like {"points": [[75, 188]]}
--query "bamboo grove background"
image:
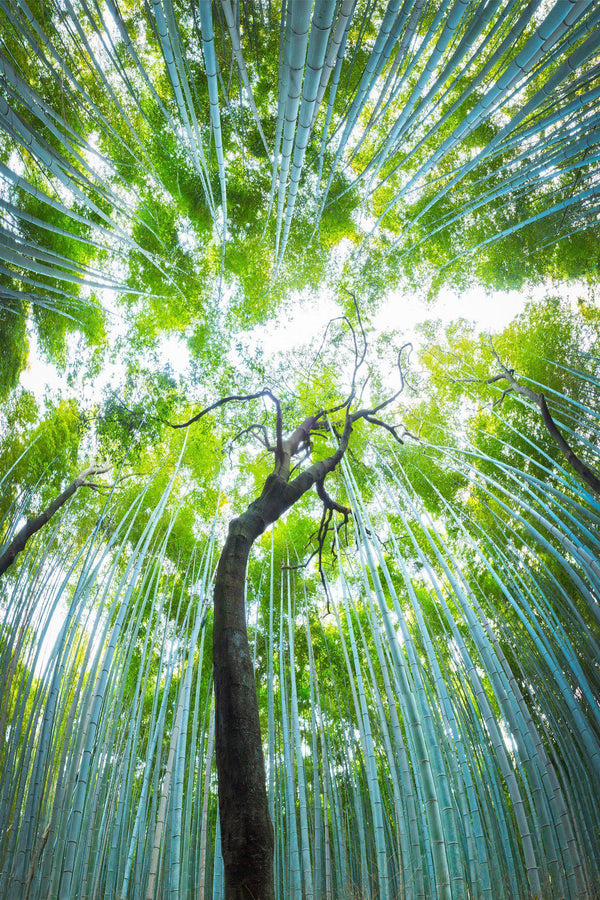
{"points": [[432, 727], [435, 733], [436, 128]]}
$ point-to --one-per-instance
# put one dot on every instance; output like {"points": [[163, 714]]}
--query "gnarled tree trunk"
{"points": [[32, 526], [247, 838]]}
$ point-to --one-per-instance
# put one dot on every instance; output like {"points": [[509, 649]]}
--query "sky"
{"points": [[490, 310], [398, 312]]}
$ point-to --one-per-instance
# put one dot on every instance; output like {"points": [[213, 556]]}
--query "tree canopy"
{"points": [[180, 186]]}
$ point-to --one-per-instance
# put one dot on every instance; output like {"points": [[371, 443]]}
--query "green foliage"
{"points": [[40, 452], [14, 346]]}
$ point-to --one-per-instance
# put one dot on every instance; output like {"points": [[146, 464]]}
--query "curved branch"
{"points": [[32, 526], [261, 433], [381, 424], [232, 398], [585, 472]]}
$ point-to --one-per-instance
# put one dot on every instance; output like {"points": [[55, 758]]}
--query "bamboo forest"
{"points": [[299, 449]]}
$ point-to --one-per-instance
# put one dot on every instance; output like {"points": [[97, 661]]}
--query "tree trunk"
{"points": [[584, 472], [246, 830], [247, 836], [31, 527], [588, 475]]}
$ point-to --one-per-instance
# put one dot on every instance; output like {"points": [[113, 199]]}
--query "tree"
{"points": [[508, 375], [246, 829], [466, 360]]}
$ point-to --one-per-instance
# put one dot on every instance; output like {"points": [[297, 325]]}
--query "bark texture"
{"points": [[246, 831], [247, 837], [585, 473]]}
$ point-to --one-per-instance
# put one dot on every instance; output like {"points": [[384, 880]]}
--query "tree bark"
{"points": [[247, 837], [588, 475], [585, 473]]}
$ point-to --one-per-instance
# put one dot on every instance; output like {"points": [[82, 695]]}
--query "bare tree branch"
{"points": [[538, 399], [232, 398], [255, 429], [329, 507], [505, 392], [391, 428], [280, 485]]}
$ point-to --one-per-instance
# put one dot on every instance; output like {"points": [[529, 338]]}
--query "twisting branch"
{"points": [[232, 398], [281, 490], [329, 507], [504, 394], [393, 429], [364, 413], [538, 399], [359, 358], [319, 471], [330, 503]]}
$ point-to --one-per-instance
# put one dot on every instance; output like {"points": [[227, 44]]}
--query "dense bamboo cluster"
{"points": [[435, 733], [172, 178], [406, 107]]}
